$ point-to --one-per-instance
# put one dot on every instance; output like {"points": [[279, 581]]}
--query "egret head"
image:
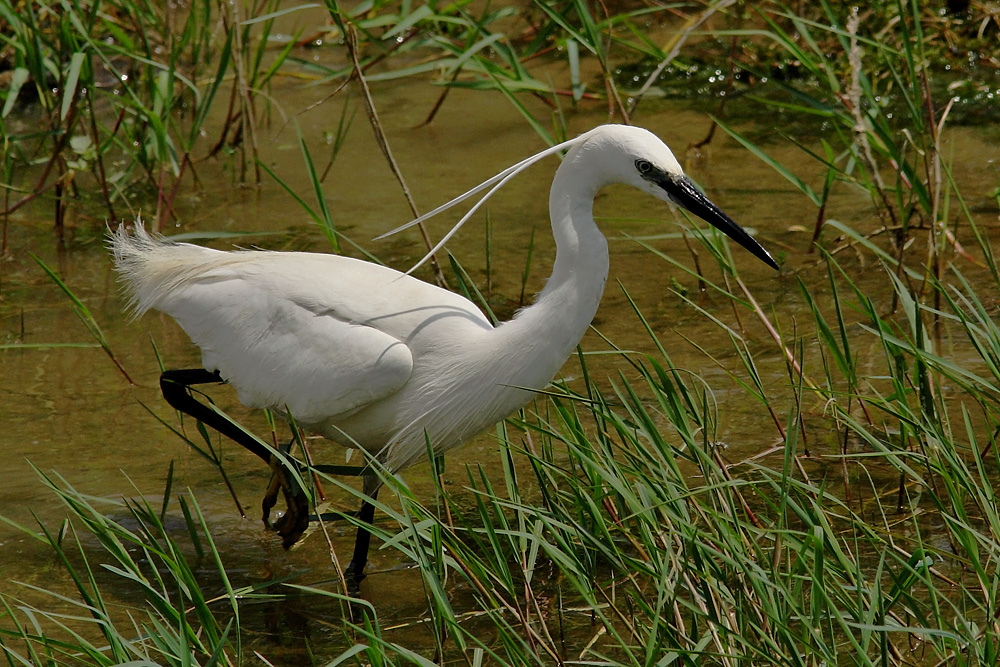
{"points": [[610, 154], [637, 157]]}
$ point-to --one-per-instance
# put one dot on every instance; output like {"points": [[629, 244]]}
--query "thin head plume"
{"points": [[494, 183]]}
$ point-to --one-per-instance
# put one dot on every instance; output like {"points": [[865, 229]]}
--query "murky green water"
{"points": [[69, 411]]}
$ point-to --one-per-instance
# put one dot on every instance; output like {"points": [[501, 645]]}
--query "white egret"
{"points": [[371, 357]]}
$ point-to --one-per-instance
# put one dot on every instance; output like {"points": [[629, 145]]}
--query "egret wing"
{"points": [[279, 354], [323, 335]]}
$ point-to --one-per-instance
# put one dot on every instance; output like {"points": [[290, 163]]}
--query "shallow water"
{"points": [[69, 411]]}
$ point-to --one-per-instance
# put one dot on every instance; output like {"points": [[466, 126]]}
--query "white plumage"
{"points": [[365, 354]]}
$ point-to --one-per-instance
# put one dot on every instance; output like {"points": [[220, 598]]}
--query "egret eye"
{"points": [[644, 166]]}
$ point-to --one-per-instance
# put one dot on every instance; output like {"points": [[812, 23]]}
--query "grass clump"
{"points": [[175, 623]]}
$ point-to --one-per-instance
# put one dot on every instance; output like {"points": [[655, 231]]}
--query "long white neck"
{"points": [[548, 331]]}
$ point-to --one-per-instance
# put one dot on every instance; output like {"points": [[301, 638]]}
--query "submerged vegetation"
{"points": [[866, 531]]}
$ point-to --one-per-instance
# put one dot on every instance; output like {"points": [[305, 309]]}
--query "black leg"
{"points": [[174, 385], [356, 569]]}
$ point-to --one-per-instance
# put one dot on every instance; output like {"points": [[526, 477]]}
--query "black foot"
{"points": [[176, 385], [353, 577]]}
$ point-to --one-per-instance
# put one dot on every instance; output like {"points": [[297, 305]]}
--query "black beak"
{"points": [[684, 193]]}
